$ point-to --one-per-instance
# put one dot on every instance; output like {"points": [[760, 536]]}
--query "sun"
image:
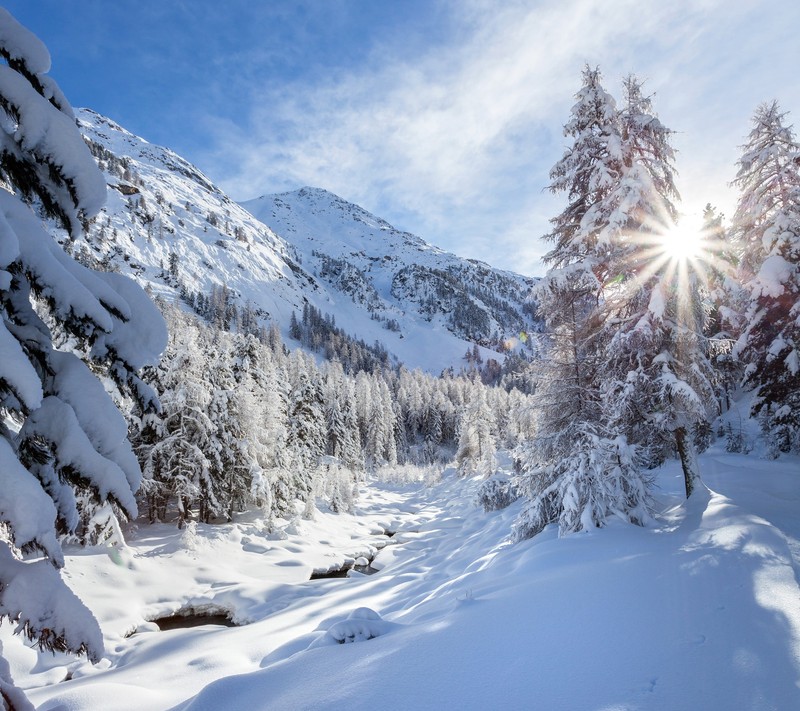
{"points": [[683, 242], [680, 253]]}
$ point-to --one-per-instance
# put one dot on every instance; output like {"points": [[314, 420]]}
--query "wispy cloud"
{"points": [[455, 141]]}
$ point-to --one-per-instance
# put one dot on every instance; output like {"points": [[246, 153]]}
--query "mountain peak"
{"points": [[172, 229]]}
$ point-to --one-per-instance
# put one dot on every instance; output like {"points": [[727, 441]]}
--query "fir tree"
{"points": [[72, 441]]}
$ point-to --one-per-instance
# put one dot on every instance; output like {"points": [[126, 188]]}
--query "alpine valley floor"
{"points": [[700, 610]]}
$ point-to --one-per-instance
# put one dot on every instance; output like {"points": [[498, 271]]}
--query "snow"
{"points": [[48, 132], [76, 291], [105, 428], [141, 338], [24, 505], [701, 609], [319, 224], [56, 422], [21, 43], [773, 276], [271, 252], [17, 372], [9, 243], [34, 594]]}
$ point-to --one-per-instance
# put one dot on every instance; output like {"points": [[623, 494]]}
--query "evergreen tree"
{"points": [[176, 446], [380, 448], [725, 304], [767, 223], [589, 171], [476, 444], [657, 379], [72, 440], [230, 444], [576, 469], [306, 436]]}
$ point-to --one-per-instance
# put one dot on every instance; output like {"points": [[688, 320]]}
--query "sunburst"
{"points": [[684, 242], [675, 256]]}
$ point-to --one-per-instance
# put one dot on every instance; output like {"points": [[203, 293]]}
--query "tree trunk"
{"points": [[688, 460]]}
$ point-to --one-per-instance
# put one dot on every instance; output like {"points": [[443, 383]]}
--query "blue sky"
{"points": [[442, 116]]}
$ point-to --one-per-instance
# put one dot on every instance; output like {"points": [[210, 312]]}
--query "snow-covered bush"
{"points": [[497, 492]]}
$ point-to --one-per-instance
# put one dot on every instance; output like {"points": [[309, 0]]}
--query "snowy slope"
{"points": [[398, 277], [699, 611], [426, 306], [159, 204]]}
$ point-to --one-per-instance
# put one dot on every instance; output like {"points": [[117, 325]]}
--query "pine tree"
{"points": [[306, 436], [175, 446], [725, 299], [230, 475], [476, 444], [588, 172], [767, 223], [379, 447], [73, 440]]}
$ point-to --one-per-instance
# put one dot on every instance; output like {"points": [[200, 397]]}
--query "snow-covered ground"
{"points": [[699, 611]]}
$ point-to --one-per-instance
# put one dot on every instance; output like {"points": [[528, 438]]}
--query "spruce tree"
{"points": [[657, 379], [576, 469], [476, 443], [767, 224]]}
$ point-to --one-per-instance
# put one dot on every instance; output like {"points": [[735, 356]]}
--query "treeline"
{"points": [[246, 423]]}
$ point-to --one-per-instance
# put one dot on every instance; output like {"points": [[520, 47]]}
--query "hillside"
{"points": [[167, 225]]}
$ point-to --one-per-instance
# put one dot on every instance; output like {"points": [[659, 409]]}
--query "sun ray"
{"points": [[680, 255]]}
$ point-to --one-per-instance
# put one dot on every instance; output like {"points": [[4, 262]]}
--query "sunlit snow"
{"points": [[701, 610]]}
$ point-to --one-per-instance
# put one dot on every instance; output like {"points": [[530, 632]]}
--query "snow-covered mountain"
{"points": [[167, 225], [408, 286], [173, 230]]}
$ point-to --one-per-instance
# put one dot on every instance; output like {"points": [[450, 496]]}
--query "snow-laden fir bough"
{"points": [[62, 440]]}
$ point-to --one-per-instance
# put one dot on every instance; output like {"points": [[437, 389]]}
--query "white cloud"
{"points": [[456, 143]]}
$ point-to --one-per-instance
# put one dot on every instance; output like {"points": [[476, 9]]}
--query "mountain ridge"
{"points": [[173, 230]]}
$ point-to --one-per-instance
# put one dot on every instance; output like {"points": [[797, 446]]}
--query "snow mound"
{"points": [[361, 625]]}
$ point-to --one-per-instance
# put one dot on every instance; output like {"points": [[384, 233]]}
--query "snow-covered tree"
{"points": [[625, 378], [340, 414], [230, 439], [476, 444], [306, 436], [767, 223], [724, 301], [380, 448], [61, 434], [569, 294], [657, 377], [589, 171], [576, 469], [175, 445]]}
